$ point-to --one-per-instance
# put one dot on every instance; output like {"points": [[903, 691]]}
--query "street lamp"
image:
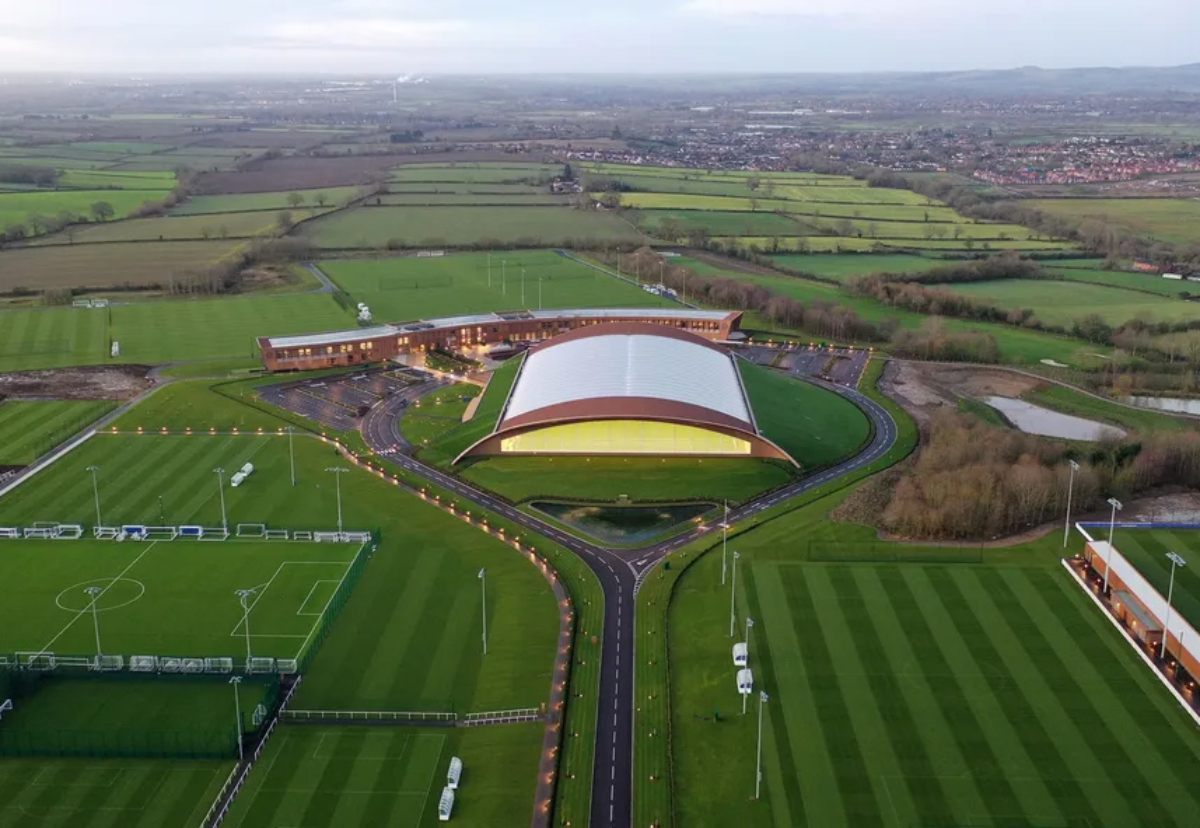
{"points": [[1112, 525], [220, 473], [762, 699], [1175, 560], [237, 708], [337, 472], [96, 492], [483, 594], [732, 594], [96, 592], [244, 597], [1070, 489]]}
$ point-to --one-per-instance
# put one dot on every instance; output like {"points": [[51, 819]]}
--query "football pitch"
{"points": [[389, 777], [115, 793], [166, 598]]}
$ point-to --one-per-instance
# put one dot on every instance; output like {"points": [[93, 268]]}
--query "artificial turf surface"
{"points": [[30, 429], [916, 694], [390, 777], [107, 793], [410, 288]]}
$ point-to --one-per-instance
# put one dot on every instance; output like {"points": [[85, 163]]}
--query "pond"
{"points": [[1033, 419], [1180, 405], [622, 525]]}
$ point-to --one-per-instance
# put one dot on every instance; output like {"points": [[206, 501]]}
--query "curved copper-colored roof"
{"points": [[628, 329]]}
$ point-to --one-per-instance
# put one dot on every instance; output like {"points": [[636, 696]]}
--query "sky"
{"points": [[567, 36]]}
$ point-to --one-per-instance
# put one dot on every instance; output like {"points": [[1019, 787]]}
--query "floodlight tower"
{"points": [[292, 454], [1070, 490], [337, 472], [244, 599], [724, 541], [220, 473], [483, 592], [762, 699], [1175, 560], [96, 592], [96, 492], [733, 595], [1112, 525], [237, 709]]}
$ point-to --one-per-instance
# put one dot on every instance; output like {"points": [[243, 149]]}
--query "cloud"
{"points": [[809, 8], [365, 33]]}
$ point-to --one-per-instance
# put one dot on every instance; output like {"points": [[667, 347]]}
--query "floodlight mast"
{"points": [[338, 471], [237, 709], [733, 594], [220, 473], [749, 624], [1112, 525], [724, 540], [292, 454], [1176, 560], [1070, 489], [96, 592], [96, 492], [762, 699], [483, 592], [243, 597]]}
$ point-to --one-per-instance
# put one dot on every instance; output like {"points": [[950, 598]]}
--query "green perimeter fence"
{"points": [[340, 597], [105, 716]]}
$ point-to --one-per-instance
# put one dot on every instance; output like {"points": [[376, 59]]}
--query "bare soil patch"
{"points": [[121, 382], [922, 389]]}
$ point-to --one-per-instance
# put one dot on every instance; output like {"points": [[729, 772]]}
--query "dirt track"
{"points": [[122, 382]]}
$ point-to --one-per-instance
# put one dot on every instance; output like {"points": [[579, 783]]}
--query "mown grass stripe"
{"points": [[781, 789], [1093, 707], [1042, 727], [925, 624], [934, 768], [854, 781], [322, 808]]}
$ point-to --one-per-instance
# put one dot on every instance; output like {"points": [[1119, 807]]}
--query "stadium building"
{"points": [[628, 388], [365, 346]]}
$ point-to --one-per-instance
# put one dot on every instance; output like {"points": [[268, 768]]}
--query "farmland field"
{"points": [[865, 212], [452, 199], [716, 223], [104, 179], [107, 265], [1061, 303], [185, 227], [30, 429], [335, 196], [404, 289], [390, 777], [1173, 220], [18, 208], [375, 227], [100, 793], [845, 267], [477, 174], [948, 688], [1149, 282]]}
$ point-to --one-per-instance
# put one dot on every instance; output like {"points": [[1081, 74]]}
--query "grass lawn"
{"points": [[845, 267], [218, 328], [1172, 220], [1072, 402], [170, 228], [30, 429], [457, 440], [18, 208], [105, 793], [717, 223], [1061, 303], [641, 479], [390, 777], [110, 265], [816, 427], [1147, 550], [376, 227], [52, 338], [907, 694], [335, 196], [1123, 279], [403, 289], [437, 413]]}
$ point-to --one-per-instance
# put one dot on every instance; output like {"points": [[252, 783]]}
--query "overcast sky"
{"points": [[469, 36]]}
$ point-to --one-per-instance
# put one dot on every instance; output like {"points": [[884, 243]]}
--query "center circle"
{"points": [[118, 593]]}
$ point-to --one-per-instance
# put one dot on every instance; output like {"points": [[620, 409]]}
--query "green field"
{"points": [[716, 223], [1172, 220], [375, 227], [106, 266], [435, 414], [1147, 550], [1061, 303], [18, 208], [105, 179], [107, 793], [221, 226], [406, 288], [390, 777], [335, 196], [864, 243], [1123, 279], [52, 338], [451, 199], [475, 173], [949, 687], [30, 429], [847, 266]]}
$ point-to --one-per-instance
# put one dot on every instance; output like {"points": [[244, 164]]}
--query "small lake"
{"points": [[1180, 405], [1033, 419], [622, 525]]}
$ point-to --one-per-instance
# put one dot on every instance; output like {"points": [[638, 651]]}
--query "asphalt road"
{"points": [[620, 573]]}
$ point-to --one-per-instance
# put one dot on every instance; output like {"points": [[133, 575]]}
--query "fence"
{"points": [[51, 530], [340, 597], [399, 717], [524, 714]]}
